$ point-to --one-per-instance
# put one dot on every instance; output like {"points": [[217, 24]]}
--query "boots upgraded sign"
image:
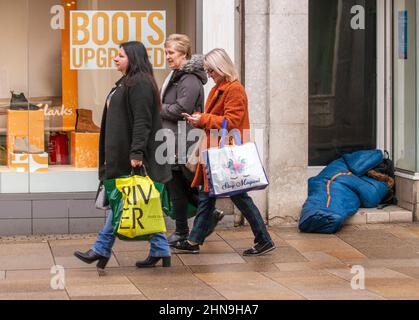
{"points": [[95, 36]]}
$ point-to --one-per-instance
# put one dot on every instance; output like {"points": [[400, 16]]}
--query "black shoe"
{"points": [[176, 237], [260, 249], [91, 256], [150, 262], [218, 215], [19, 102], [186, 247]]}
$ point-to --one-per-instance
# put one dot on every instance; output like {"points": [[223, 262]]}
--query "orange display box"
{"points": [[27, 162], [25, 128], [84, 150]]}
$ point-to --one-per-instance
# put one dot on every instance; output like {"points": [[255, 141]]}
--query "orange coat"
{"points": [[226, 100]]}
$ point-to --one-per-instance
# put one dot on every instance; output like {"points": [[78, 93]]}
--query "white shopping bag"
{"points": [[234, 169]]}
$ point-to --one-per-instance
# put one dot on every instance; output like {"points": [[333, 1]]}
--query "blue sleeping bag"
{"points": [[339, 190]]}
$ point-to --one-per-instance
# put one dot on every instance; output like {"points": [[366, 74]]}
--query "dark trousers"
{"points": [[205, 221], [181, 194]]}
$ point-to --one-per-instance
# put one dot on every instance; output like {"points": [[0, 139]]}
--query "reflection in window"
{"points": [[342, 80]]}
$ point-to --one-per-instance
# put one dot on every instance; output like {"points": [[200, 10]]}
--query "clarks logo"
{"points": [[58, 112]]}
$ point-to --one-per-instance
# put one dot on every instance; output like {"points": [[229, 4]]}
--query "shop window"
{"points": [[49, 125], [342, 80], [405, 86]]}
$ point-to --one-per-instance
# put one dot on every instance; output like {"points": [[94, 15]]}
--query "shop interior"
{"points": [[50, 114]]}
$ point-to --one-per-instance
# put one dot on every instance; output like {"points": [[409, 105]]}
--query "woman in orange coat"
{"points": [[227, 100]]}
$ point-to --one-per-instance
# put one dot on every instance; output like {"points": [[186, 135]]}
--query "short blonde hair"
{"points": [[181, 43], [219, 61]]}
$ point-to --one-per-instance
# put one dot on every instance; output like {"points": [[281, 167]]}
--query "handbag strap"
{"points": [[235, 132], [145, 174]]}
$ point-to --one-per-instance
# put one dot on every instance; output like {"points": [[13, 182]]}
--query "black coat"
{"points": [[128, 132], [184, 94]]}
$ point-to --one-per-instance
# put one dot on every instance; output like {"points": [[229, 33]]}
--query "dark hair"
{"points": [[139, 67]]}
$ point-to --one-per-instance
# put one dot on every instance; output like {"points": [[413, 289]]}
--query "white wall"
{"points": [[219, 28]]}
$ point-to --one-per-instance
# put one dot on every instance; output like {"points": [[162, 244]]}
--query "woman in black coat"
{"points": [[130, 121]]}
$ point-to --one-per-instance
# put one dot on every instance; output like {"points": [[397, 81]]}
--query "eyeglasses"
{"points": [[209, 71]]}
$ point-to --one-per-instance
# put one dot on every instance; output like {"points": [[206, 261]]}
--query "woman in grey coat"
{"points": [[182, 92]]}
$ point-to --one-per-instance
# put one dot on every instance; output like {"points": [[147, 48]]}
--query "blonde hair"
{"points": [[219, 61], [181, 43]]}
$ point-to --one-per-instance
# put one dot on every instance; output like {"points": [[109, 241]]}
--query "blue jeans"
{"points": [[205, 220], [159, 246]]}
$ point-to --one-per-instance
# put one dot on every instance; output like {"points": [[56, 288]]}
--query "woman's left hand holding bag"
{"points": [[136, 163]]}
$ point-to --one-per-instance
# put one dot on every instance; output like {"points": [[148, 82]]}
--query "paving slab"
{"points": [[412, 229], [320, 286], [216, 247], [365, 237], [391, 251], [293, 266], [25, 256], [60, 295], [234, 267], [247, 286], [22, 275], [82, 283], [124, 246], [412, 272], [210, 258], [326, 244], [347, 254], [162, 284], [236, 234], [129, 258], [243, 244], [322, 260], [412, 242], [280, 255], [293, 233], [320, 256], [110, 297], [391, 284], [386, 263], [99, 290], [30, 287], [213, 237]]}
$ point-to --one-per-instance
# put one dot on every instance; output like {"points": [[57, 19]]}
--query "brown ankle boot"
{"points": [[84, 122]]}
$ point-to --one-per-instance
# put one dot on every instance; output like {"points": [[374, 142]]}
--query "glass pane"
{"points": [[71, 73], [16, 121], [342, 80], [404, 85]]}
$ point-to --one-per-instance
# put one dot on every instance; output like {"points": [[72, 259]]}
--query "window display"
{"points": [[56, 75]]}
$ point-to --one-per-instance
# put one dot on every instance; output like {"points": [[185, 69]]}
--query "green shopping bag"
{"points": [[167, 205], [136, 207]]}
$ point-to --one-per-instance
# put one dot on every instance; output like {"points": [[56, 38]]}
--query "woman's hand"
{"points": [[136, 163], [193, 120]]}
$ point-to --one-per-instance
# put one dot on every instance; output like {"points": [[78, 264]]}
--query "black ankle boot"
{"points": [[19, 102], [151, 262], [91, 256]]}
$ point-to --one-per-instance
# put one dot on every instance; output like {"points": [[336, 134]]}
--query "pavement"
{"points": [[365, 262]]}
